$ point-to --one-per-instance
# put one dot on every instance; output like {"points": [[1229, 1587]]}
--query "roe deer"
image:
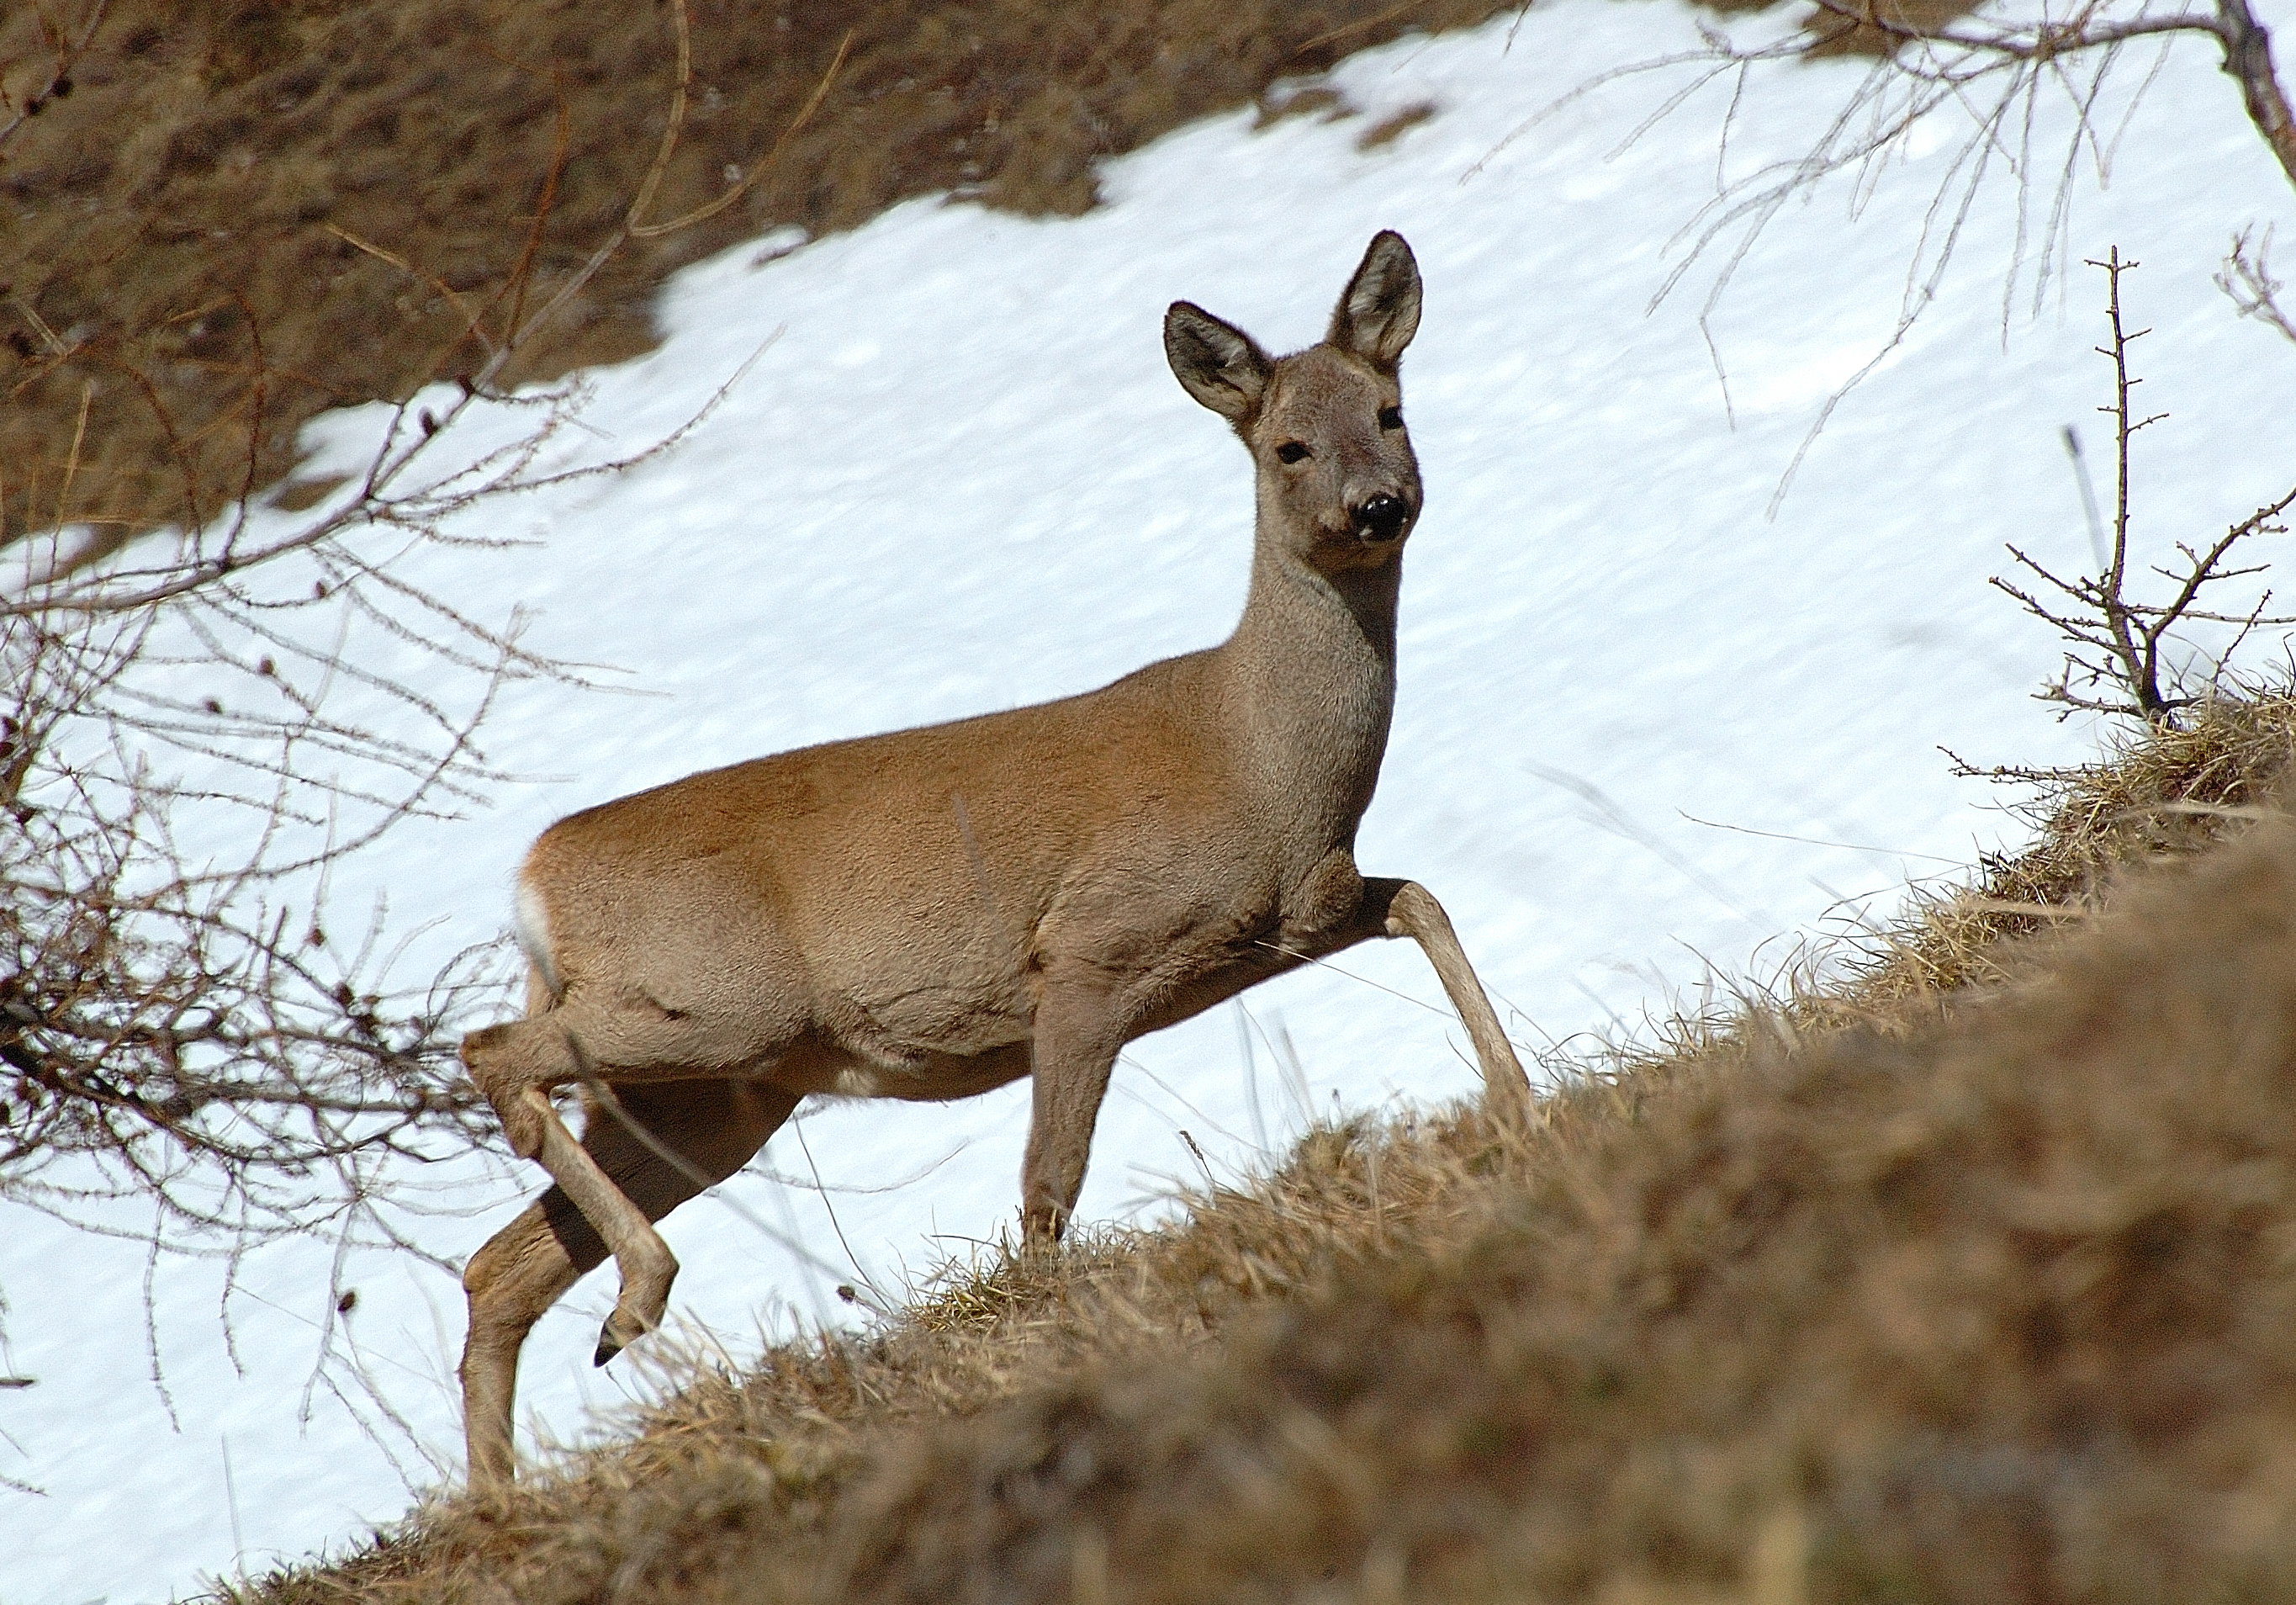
{"points": [[936, 912]]}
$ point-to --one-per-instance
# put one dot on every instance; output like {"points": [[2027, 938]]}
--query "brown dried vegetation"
{"points": [[2162, 792], [1985, 1295], [177, 216]]}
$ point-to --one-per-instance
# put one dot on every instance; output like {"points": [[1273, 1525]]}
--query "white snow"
{"points": [[1647, 734]]}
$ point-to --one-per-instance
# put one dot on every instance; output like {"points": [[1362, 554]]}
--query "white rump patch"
{"points": [[531, 920], [857, 1081]]}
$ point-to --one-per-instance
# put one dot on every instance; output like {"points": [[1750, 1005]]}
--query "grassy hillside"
{"points": [[221, 219], [1885, 1291]]}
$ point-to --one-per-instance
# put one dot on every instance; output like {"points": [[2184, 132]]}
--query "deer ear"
{"points": [[1215, 362], [1378, 310]]}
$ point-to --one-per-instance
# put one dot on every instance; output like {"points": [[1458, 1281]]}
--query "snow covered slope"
{"points": [[1646, 732]]}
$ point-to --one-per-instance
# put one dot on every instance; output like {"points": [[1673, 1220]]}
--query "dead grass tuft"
{"points": [[732, 1479], [1280, 101], [1388, 129], [2164, 792]]}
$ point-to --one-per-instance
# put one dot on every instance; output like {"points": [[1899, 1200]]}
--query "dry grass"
{"points": [[177, 232], [1983, 1302], [2005, 1310], [2160, 794], [182, 277], [735, 1475]]}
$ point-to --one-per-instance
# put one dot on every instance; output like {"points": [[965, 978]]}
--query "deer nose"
{"points": [[1381, 518]]}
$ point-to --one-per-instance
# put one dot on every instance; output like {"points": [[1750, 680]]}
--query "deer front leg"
{"points": [[1078, 1035], [1407, 909]]}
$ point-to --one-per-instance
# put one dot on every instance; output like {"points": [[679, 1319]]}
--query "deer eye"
{"points": [[1390, 418], [1290, 451]]}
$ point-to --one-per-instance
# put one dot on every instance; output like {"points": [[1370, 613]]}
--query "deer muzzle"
{"points": [[1381, 518]]}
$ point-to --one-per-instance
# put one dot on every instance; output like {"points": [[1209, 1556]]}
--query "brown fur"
{"points": [[935, 912]]}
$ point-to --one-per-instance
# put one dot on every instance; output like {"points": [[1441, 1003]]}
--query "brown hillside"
{"points": [[183, 199], [2003, 1312], [188, 192], [1986, 1296]]}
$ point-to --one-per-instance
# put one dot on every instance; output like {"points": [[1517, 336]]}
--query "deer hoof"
{"points": [[1040, 1230], [618, 1334], [614, 1337], [621, 1330]]}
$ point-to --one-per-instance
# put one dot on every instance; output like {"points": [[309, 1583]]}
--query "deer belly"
{"points": [[926, 1035], [934, 1077]]}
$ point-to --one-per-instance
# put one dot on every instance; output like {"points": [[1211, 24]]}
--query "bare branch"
{"points": [[1992, 73], [2248, 58], [2117, 640], [2246, 277], [177, 1025]]}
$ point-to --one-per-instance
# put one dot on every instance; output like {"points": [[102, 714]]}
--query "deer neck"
{"points": [[1311, 682]]}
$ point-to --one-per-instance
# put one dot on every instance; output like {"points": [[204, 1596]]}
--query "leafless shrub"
{"points": [[199, 729], [2115, 665], [190, 749], [204, 1047]]}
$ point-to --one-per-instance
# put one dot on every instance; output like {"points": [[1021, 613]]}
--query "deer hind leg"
{"points": [[712, 1126], [671, 1140], [516, 1065]]}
